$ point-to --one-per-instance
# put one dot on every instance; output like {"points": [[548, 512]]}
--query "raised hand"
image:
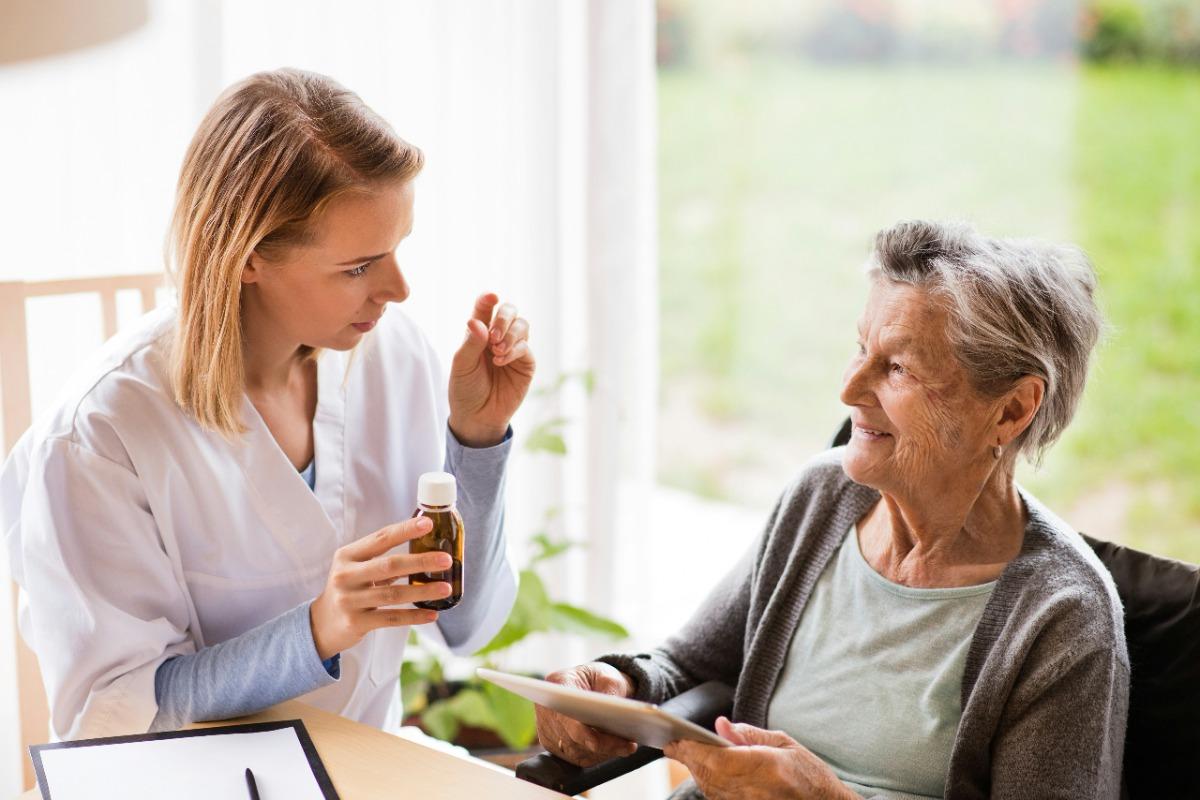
{"points": [[490, 373]]}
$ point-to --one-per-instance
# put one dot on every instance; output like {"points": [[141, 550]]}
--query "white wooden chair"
{"points": [[16, 414]]}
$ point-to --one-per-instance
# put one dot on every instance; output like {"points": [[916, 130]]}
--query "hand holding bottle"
{"points": [[362, 585]]}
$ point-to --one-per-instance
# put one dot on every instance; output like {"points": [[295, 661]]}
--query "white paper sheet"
{"points": [[185, 768]]}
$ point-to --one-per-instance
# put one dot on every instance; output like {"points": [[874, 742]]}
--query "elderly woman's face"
{"points": [[918, 423]]}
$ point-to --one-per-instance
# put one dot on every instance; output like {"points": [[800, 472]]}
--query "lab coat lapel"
{"points": [[329, 438], [307, 524]]}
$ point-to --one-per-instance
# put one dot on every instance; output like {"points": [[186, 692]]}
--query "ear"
{"points": [[252, 272], [1021, 403]]}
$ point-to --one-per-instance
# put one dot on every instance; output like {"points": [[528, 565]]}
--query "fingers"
{"points": [[483, 308], [514, 344], [692, 754], [739, 733], [593, 677], [577, 743], [466, 359], [682, 751], [704, 763], [575, 677], [606, 679], [572, 740], [398, 617], [385, 539], [385, 569], [519, 350], [395, 594], [496, 326], [605, 744], [503, 320], [727, 730]]}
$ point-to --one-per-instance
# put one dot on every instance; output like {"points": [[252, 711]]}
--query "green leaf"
{"points": [[439, 721], [572, 619], [548, 548], [515, 720], [547, 437], [586, 377], [530, 613], [414, 687], [471, 707]]}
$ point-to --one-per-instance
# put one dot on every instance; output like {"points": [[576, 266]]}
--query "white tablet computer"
{"points": [[644, 723]]}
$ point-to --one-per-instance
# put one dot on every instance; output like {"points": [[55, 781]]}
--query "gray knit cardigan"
{"points": [[1046, 685]]}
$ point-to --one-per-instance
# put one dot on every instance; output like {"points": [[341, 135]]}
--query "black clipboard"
{"points": [[310, 750]]}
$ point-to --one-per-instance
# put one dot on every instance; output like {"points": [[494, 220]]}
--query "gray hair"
{"points": [[1016, 307]]}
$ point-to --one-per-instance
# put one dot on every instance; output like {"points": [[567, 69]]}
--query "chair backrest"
{"points": [[1162, 629], [1161, 598], [16, 415]]}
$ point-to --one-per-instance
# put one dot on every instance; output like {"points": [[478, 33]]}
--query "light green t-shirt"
{"points": [[872, 683]]}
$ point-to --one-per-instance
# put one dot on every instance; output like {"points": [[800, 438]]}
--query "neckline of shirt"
{"points": [[914, 592]]}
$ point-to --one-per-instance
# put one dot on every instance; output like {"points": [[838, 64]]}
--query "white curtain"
{"points": [[537, 121]]}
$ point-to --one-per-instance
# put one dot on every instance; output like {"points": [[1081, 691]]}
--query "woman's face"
{"points": [[329, 292], [919, 426]]}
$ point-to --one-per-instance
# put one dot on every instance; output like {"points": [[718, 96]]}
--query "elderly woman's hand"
{"points": [[762, 765], [572, 740]]}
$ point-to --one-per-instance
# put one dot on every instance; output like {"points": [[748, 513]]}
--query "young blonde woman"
{"points": [[213, 517]]}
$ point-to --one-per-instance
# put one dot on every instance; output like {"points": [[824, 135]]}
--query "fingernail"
{"points": [[424, 524]]}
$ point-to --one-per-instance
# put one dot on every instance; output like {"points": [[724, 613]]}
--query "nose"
{"points": [[855, 382], [392, 287]]}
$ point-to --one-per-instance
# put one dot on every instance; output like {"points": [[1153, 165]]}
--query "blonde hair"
{"points": [[269, 156]]}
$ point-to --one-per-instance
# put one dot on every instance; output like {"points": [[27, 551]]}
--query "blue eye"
{"points": [[359, 270]]}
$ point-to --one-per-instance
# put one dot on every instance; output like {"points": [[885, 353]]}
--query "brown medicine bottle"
{"points": [[436, 493]]}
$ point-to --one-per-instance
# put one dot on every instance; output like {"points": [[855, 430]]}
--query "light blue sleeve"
{"points": [[274, 662], [490, 583]]}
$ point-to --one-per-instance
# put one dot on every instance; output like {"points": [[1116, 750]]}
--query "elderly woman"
{"points": [[912, 623]]}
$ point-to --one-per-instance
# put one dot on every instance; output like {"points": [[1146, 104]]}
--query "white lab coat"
{"points": [[136, 535]]}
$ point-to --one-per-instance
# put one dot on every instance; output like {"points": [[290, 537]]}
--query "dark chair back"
{"points": [[1162, 628]]}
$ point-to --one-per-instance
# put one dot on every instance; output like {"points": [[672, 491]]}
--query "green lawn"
{"points": [[774, 177], [1136, 179]]}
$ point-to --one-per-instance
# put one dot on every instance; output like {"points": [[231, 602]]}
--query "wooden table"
{"points": [[364, 762]]}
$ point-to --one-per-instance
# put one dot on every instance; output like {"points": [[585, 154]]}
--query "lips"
{"points": [[867, 432], [364, 326]]}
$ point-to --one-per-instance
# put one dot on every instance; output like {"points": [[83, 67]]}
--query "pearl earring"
{"points": [[996, 451]]}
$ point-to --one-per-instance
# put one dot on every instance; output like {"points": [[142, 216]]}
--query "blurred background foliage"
{"points": [[791, 132]]}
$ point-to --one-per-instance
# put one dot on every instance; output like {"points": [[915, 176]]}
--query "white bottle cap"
{"points": [[436, 489]]}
